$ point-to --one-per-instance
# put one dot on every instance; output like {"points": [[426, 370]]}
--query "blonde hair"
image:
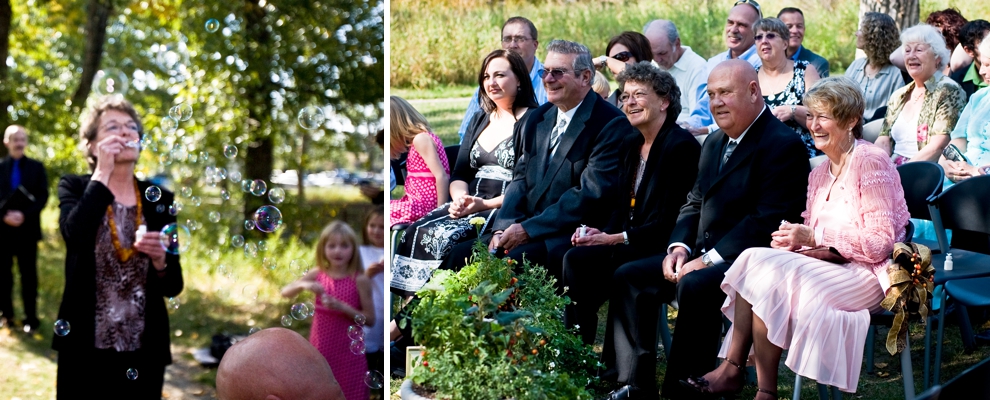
{"points": [[404, 123], [346, 233], [840, 97], [600, 85]]}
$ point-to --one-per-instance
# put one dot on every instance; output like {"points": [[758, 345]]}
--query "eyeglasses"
{"points": [[556, 73], [514, 39], [638, 97], [769, 35], [751, 3], [623, 56]]}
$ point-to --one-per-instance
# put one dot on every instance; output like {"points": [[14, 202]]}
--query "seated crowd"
{"points": [[708, 172]]}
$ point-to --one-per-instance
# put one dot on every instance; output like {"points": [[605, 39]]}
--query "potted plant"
{"points": [[490, 333]]}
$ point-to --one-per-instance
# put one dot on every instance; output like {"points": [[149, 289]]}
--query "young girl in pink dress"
{"points": [[343, 295], [428, 171]]}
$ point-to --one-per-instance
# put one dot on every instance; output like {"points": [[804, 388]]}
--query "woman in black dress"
{"points": [[481, 174]]}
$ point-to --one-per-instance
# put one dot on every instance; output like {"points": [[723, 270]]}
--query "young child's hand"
{"points": [[330, 302], [316, 288]]}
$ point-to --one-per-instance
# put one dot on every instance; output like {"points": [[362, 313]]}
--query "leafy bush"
{"points": [[490, 333]]}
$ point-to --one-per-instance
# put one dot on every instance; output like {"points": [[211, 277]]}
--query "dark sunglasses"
{"points": [[751, 3], [556, 73], [623, 56], [768, 35]]}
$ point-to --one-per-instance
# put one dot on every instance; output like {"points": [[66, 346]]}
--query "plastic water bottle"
{"points": [[948, 262]]}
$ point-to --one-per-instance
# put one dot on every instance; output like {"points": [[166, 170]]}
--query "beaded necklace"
{"points": [[124, 254]]}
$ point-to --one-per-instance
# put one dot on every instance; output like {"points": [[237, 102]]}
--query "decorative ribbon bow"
{"points": [[912, 278]]}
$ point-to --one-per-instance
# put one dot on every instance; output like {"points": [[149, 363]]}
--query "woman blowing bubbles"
{"points": [[115, 279]]}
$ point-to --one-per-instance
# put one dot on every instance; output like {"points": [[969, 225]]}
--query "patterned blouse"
{"points": [[944, 100], [120, 285], [793, 95]]}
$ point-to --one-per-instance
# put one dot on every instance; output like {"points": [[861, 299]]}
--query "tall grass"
{"points": [[441, 42]]}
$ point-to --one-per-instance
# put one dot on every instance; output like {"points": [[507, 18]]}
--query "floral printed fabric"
{"points": [[944, 101]]}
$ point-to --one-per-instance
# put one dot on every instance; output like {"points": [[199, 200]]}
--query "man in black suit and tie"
{"points": [[569, 168], [23, 193], [752, 174]]}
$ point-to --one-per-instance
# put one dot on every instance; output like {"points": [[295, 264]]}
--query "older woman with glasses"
{"points": [[624, 50], [922, 114], [782, 80]]}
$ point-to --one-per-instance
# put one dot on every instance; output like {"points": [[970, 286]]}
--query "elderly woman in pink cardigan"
{"points": [[818, 310]]}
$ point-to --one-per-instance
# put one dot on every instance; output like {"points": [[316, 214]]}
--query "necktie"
{"points": [[555, 135], [728, 152], [15, 175]]}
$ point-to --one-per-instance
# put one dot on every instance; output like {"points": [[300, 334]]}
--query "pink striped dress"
{"points": [[329, 336], [421, 186], [820, 311]]}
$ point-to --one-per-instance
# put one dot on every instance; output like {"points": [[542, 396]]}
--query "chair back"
{"points": [[965, 209], [451, 152], [399, 168], [922, 181], [871, 130], [973, 383]]}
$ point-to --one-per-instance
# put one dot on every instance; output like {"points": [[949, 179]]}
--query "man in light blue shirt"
{"points": [[518, 36], [740, 39]]}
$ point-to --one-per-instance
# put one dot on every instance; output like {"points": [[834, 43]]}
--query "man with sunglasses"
{"points": [[740, 39], [681, 62], [518, 36], [569, 169], [794, 19]]}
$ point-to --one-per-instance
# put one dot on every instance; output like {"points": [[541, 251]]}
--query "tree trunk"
{"points": [[258, 164], [301, 178], [98, 13], [906, 13], [6, 15]]}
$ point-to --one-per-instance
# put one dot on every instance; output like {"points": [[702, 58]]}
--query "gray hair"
{"points": [[583, 60], [927, 34], [773, 25], [662, 82], [668, 28]]}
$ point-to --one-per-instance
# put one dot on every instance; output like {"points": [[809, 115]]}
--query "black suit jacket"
{"points": [[764, 182], [670, 173], [552, 199], [83, 205], [35, 180]]}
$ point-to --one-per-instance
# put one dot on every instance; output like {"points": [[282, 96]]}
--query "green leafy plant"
{"points": [[490, 333]]}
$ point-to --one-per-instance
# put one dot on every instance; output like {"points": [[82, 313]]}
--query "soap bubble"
{"points": [[205, 157], [286, 321], [248, 224], [62, 327], [262, 245], [254, 330], [311, 117], [169, 125], [246, 185], [268, 218], [221, 173], [173, 303], [153, 193], [311, 307], [186, 191], [237, 241], [224, 194], [235, 176], [175, 208], [270, 263], [175, 238], [373, 379], [196, 201], [357, 347], [110, 81], [132, 374], [160, 208], [276, 195], [360, 319], [250, 292], [250, 250], [230, 151], [214, 216], [258, 187], [181, 112], [299, 311], [212, 25], [355, 332]]}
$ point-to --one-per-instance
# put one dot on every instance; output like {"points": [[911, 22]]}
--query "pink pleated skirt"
{"points": [[818, 311]]}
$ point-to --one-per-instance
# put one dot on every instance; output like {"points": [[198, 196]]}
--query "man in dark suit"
{"points": [[23, 192], [752, 174], [569, 168]]}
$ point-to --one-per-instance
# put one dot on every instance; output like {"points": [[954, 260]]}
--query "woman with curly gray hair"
{"points": [[877, 77], [651, 193]]}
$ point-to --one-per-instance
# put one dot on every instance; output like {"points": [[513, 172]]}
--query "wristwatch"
{"points": [[793, 107], [625, 238], [707, 260]]}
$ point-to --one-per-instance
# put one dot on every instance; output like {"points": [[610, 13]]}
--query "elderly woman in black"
{"points": [[116, 278], [659, 168]]}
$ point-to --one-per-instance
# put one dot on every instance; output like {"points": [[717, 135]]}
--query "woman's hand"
{"points": [[149, 244], [960, 170], [466, 205], [791, 237], [375, 269], [588, 232], [783, 113], [106, 154]]}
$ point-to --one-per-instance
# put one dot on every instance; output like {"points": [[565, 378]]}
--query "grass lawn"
{"points": [[226, 289], [444, 115]]}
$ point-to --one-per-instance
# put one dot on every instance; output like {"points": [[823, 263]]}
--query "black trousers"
{"points": [[639, 289], [106, 372], [587, 273], [26, 252]]}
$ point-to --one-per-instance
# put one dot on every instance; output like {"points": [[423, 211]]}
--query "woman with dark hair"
{"points": [[116, 277], [622, 51], [480, 176], [878, 37], [779, 298]]}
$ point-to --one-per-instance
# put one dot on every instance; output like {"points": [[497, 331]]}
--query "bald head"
{"points": [[665, 42], [736, 100], [15, 139], [275, 363]]}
